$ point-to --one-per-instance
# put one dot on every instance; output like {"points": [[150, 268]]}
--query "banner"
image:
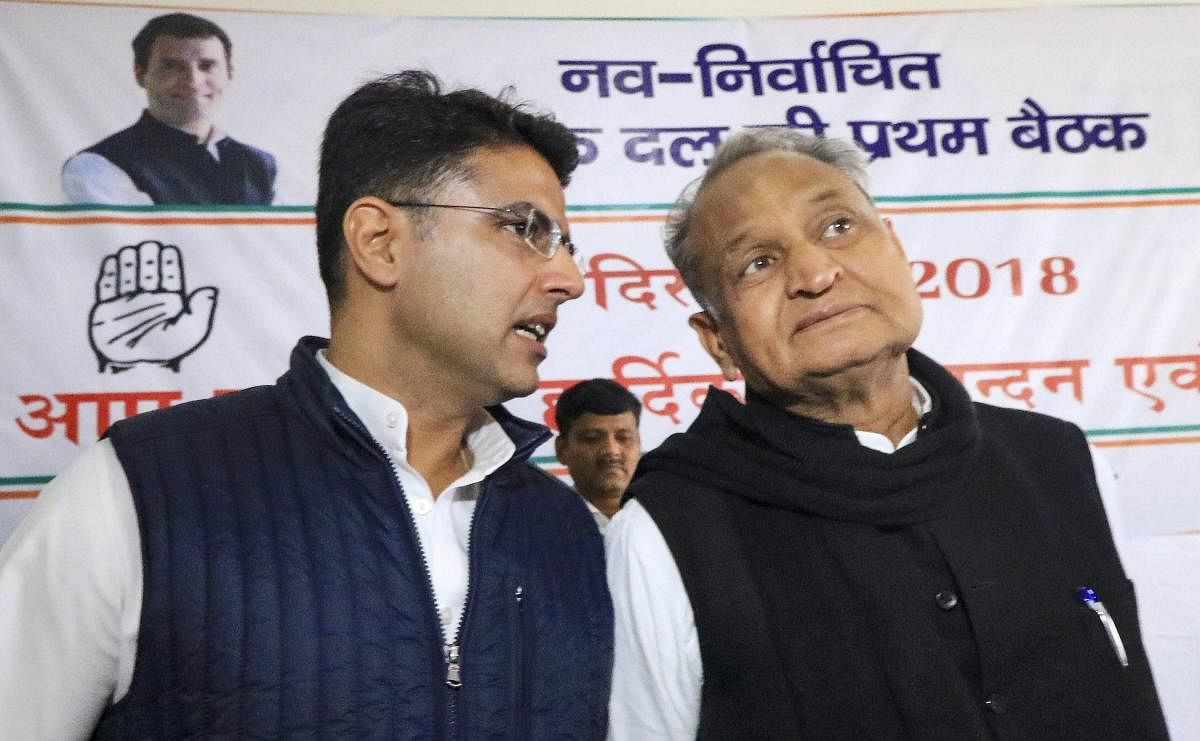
{"points": [[1039, 166]]}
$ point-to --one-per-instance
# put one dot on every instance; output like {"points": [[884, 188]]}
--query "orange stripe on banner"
{"points": [[158, 220], [1035, 206], [31, 494], [1145, 441]]}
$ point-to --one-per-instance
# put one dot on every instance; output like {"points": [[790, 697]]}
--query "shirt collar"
{"points": [[387, 421], [922, 404]]}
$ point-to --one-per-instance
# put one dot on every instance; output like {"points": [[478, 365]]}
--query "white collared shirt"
{"points": [[443, 523], [657, 669], [71, 573], [599, 517]]}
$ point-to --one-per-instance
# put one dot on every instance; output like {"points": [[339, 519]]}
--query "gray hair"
{"points": [[843, 155]]}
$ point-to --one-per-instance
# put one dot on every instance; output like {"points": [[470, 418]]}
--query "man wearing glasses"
{"points": [[361, 550]]}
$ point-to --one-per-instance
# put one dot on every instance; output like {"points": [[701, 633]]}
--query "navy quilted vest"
{"points": [[285, 596], [170, 166]]}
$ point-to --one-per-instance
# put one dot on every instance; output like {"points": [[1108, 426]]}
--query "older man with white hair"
{"points": [[858, 551]]}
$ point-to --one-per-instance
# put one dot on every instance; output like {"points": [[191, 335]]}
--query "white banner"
{"points": [[1040, 167]]}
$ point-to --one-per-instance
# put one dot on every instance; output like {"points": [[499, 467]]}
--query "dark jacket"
{"points": [[286, 596], [172, 167], [843, 593]]}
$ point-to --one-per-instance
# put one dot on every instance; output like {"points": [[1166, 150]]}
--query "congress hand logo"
{"points": [[142, 313]]}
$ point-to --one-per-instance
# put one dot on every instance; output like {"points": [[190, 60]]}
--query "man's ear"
{"points": [[560, 447], [895, 239], [710, 337], [376, 236], [139, 75]]}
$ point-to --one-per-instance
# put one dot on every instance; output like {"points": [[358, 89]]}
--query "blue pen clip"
{"points": [[1087, 597]]}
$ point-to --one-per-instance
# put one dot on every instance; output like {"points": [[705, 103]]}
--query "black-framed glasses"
{"points": [[541, 233]]}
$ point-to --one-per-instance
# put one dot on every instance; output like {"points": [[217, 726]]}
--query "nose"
{"points": [[193, 76], [560, 277], [612, 448], [811, 270]]}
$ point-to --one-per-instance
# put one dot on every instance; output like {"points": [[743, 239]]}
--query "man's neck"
{"points": [[607, 502], [437, 447], [876, 398], [203, 129], [438, 421]]}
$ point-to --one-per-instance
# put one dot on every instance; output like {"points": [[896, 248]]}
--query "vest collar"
{"points": [[323, 404]]}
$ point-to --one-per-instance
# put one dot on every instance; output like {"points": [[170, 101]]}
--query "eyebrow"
{"points": [[734, 245], [184, 60], [830, 194], [566, 228]]}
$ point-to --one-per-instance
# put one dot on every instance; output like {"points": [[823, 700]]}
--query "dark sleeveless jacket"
{"points": [[170, 166], [930, 594], [286, 597]]}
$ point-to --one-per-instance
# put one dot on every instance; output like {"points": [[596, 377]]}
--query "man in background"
{"points": [[362, 550], [598, 442], [175, 153]]}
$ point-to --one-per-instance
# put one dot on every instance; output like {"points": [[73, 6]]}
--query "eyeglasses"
{"points": [[541, 233]]}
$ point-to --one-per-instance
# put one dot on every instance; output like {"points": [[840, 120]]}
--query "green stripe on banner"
{"points": [[1142, 430], [1041, 194], [544, 459], [621, 207], [25, 480], [595, 207], [1017, 196]]}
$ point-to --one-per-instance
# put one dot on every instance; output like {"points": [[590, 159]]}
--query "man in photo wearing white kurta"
{"points": [[175, 153]]}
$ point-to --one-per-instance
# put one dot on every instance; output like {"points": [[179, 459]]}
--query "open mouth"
{"points": [[535, 331]]}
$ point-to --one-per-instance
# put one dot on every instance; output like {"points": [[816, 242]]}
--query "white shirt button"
{"points": [[444, 617], [392, 419], [423, 506]]}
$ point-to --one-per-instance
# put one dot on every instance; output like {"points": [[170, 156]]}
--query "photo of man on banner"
{"points": [[175, 153]]}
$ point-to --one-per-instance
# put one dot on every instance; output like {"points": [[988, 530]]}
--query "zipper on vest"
{"points": [[453, 650], [453, 672], [449, 648]]}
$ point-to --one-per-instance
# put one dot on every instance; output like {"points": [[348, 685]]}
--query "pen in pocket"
{"points": [[1087, 596]]}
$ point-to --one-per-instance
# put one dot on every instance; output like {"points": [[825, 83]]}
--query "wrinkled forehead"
{"points": [[768, 182]]}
